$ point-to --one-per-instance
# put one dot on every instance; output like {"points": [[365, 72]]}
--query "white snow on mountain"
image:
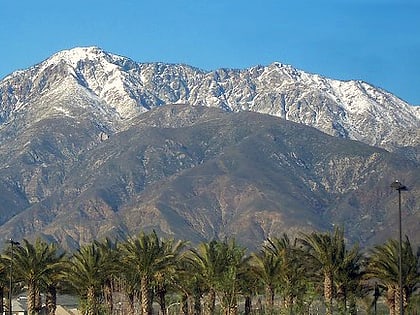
{"points": [[115, 88]]}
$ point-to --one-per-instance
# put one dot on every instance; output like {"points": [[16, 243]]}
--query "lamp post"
{"points": [[400, 187], [12, 242]]}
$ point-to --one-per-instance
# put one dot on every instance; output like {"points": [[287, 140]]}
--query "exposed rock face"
{"points": [[209, 174], [82, 155]]}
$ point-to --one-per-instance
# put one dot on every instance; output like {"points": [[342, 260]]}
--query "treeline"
{"points": [[283, 277]]}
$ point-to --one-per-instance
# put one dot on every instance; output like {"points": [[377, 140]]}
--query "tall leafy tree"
{"points": [[191, 285], [248, 283], [327, 251], [34, 265], [383, 266], [220, 264], [109, 251], [148, 256], [87, 270], [348, 279], [53, 275], [266, 265], [228, 282], [292, 279], [208, 263], [166, 278], [129, 284], [4, 280]]}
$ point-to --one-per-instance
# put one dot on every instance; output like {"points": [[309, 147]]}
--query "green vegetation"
{"points": [[314, 274]]}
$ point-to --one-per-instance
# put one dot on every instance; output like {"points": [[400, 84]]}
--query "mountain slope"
{"points": [[197, 173]]}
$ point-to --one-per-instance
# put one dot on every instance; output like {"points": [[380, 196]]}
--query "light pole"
{"points": [[400, 187], [12, 242]]}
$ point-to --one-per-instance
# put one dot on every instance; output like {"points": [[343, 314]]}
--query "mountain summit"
{"points": [[93, 144]]}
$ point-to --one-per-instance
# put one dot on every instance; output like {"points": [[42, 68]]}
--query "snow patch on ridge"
{"points": [[117, 89]]}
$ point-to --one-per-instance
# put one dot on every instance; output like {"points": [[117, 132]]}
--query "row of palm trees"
{"points": [[284, 276]]}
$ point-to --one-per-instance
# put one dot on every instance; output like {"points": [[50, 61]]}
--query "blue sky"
{"points": [[377, 41]]}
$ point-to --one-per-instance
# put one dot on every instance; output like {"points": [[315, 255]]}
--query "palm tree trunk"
{"points": [[248, 305], [108, 296], [288, 303], [232, 310], [390, 300], [38, 300], [91, 307], [269, 299], [259, 307], [1, 300], [328, 293], [146, 301], [130, 297], [405, 299], [352, 306], [197, 302], [210, 303], [397, 301], [230, 305], [184, 304], [31, 298], [344, 298], [161, 293], [51, 299]]}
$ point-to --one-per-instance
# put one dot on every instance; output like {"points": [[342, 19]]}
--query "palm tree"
{"points": [[383, 266], [33, 264], [228, 281], [4, 277], [266, 265], [129, 281], [167, 277], [348, 279], [109, 251], [191, 285], [53, 275], [249, 284], [327, 251], [86, 273], [220, 265], [292, 279], [149, 257], [207, 263]]}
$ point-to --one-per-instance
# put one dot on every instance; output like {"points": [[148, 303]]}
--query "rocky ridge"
{"points": [[119, 88]]}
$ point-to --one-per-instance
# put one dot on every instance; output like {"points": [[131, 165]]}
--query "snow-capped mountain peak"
{"points": [[73, 56], [102, 74], [122, 88]]}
